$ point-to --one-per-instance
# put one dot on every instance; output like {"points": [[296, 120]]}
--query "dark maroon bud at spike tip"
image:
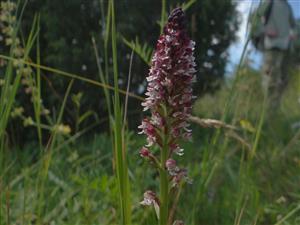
{"points": [[177, 17], [177, 14]]}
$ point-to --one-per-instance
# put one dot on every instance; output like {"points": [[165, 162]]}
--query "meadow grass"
{"points": [[245, 176]]}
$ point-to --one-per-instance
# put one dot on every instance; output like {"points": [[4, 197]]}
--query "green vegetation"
{"points": [[56, 168]]}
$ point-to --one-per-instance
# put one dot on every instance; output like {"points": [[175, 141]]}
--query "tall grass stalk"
{"points": [[247, 192], [9, 90], [7, 100], [212, 162], [73, 76], [102, 78], [37, 98], [163, 16], [127, 92], [104, 75], [287, 216], [46, 160], [119, 145]]}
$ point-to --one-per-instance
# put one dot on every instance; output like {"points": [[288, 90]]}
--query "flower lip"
{"points": [[144, 152], [172, 168], [178, 222], [150, 198], [170, 164]]}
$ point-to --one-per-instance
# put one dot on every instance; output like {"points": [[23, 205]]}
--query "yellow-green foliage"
{"points": [[249, 97], [291, 99]]}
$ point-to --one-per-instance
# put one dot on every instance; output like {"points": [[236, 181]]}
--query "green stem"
{"points": [[163, 15], [164, 187]]}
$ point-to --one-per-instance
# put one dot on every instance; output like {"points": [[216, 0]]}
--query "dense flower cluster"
{"points": [[169, 100], [169, 91]]}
